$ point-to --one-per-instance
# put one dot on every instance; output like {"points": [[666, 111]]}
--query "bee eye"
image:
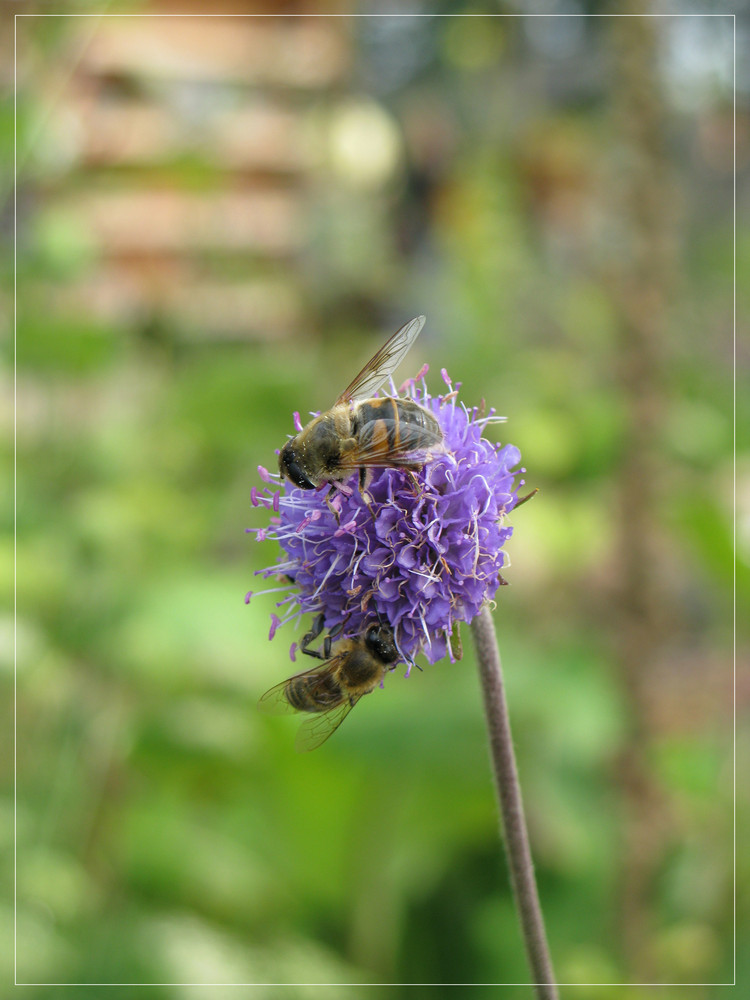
{"points": [[291, 468], [379, 640]]}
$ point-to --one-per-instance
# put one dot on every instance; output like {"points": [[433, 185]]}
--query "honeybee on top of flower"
{"points": [[362, 432]]}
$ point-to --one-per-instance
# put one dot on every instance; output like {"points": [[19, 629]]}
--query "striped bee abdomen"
{"points": [[313, 693], [393, 427]]}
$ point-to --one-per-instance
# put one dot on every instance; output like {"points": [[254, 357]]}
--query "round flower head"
{"points": [[421, 552]]}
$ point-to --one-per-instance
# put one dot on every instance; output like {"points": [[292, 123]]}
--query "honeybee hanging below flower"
{"points": [[360, 432], [330, 690]]}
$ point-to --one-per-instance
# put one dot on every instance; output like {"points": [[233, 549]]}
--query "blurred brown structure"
{"points": [[184, 161]]}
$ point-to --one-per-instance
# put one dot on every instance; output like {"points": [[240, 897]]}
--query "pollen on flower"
{"points": [[421, 559]]}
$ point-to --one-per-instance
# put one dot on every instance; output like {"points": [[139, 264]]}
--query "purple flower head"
{"points": [[421, 559]]}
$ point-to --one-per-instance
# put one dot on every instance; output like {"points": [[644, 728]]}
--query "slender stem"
{"points": [[511, 807]]}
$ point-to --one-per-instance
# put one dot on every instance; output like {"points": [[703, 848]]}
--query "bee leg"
{"points": [[311, 636], [332, 509], [336, 631], [318, 654], [367, 503], [365, 478], [414, 481], [317, 627]]}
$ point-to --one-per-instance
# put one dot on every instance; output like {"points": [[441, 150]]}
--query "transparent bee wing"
{"points": [[374, 451], [384, 363], [315, 731], [275, 700]]}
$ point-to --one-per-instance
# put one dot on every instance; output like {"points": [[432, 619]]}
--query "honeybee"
{"points": [[360, 432], [330, 690]]}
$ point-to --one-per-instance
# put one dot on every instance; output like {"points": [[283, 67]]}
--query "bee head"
{"points": [[289, 466], [379, 640]]}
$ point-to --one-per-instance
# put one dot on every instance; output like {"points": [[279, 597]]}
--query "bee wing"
{"points": [[275, 701], [384, 363], [316, 730], [374, 451]]}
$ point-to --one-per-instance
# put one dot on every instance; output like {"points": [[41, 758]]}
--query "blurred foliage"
{"points": [[167, 832]]}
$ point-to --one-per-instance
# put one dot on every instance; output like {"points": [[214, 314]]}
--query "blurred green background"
{"points": [[219, 220]]}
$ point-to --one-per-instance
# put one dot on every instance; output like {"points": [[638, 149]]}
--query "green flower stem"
{"points": [[511, 807]]}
